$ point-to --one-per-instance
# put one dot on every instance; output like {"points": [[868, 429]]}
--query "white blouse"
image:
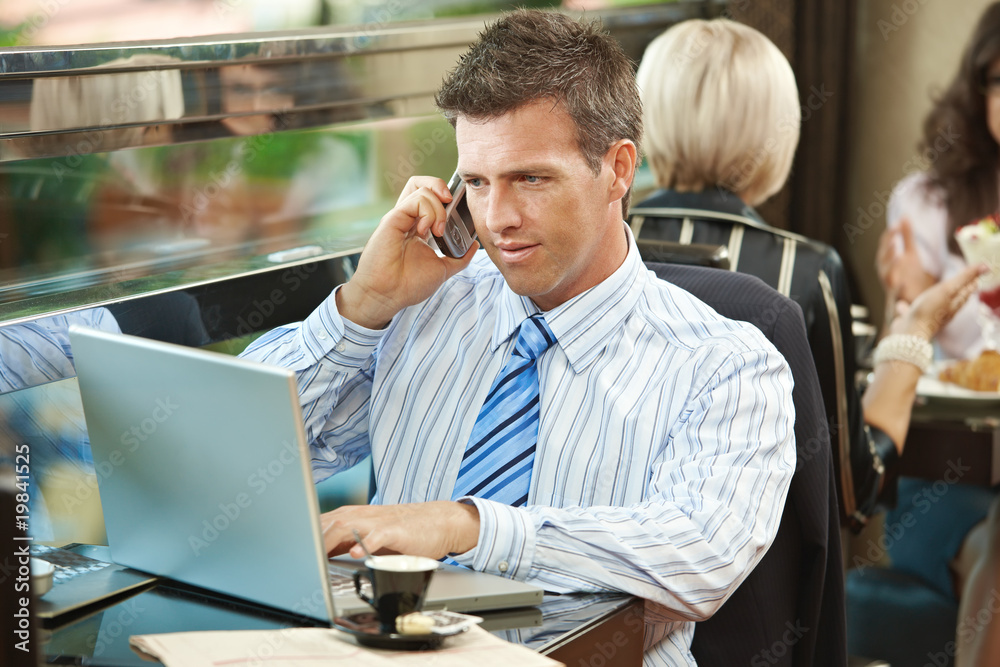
{"points": [[962, 337]]}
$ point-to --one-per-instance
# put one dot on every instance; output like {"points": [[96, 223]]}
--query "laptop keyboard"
{"points": [[68, 564], [342, 580]]}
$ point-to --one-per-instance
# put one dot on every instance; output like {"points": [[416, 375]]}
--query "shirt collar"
{"points": [[586, 323]]}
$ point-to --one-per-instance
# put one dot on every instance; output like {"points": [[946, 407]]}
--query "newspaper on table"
{"points": [[305, 647]]}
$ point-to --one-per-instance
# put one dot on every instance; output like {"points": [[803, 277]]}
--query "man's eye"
{"points": [[474, 182], [532, 179]]}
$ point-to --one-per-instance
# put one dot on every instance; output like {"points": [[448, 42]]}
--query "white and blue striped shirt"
{"points": [[665, 444]]}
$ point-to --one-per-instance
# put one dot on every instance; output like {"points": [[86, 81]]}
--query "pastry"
{"points": [[979, 374]]}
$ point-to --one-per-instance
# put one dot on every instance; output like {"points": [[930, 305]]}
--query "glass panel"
{"points": [[165, 216], [149, 98], [89, 99]]}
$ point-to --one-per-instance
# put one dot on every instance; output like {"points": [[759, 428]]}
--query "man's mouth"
{"points": [[512, 252]]}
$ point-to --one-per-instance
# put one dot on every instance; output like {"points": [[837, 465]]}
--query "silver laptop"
{"points": [[208, 480]]}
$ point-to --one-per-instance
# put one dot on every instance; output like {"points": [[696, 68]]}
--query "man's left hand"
{"points": [[433, 529]]}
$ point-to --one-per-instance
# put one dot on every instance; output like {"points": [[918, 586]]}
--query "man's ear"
{"points": [[623, 157]]}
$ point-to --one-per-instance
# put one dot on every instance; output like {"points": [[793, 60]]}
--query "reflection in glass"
{"points": [[49, 419], [106, 102], [100, 219], [252, 88]]}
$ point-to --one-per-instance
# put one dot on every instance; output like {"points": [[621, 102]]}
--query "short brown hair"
{"points": [[531, 55]]}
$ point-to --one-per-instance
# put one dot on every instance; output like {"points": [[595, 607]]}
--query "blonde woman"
{"points": [[722, 116]]}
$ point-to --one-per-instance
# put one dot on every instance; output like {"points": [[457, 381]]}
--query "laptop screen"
{"points": [[202, 469]]}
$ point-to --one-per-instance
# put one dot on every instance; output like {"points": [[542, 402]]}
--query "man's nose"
{"points": [[502, 210]]}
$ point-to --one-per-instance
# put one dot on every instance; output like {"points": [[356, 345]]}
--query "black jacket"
{"points": [[794, 598], [812, 274]]}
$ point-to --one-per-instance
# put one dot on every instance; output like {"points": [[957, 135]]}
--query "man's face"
{"points": [[550, 225], [253, 88]]}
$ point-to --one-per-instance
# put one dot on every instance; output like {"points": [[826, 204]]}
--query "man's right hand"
{"points": [[397, 267]]}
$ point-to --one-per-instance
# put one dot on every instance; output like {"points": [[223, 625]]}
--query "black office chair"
{"points": [[790, 609]]}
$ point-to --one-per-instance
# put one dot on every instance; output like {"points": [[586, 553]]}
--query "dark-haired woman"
{"points": [[954, 543]]}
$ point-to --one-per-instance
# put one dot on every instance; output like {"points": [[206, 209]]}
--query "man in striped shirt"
{"points": [[665, 446]]}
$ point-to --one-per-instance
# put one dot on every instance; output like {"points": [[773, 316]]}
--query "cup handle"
{"points": [[358, 574]]}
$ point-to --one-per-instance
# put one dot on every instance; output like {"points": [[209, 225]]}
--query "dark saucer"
{"points": [[367, 630]]}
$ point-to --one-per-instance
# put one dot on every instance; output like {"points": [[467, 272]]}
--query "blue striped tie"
{"points": [[501, 450]]}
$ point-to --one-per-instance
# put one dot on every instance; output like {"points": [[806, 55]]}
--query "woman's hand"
{"points": [[888, 400], [935, 306], [901, 273]]}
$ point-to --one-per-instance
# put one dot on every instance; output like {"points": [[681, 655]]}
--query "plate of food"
{"points": [[967, 380]]}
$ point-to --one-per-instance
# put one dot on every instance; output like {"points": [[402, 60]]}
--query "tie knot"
{"points": [[533, 338]]}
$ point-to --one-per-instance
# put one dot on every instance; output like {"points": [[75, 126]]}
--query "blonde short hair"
{"points": [[721, 109]]}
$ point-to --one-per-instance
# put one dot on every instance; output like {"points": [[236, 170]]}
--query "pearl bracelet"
{"points": [[903, 347]]}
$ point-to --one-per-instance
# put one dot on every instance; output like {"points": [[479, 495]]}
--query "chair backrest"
{"points": [[671, 252], [813, 275], [790, 608]]}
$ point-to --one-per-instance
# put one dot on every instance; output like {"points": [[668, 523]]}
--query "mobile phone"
{"points": [[459, 230]]}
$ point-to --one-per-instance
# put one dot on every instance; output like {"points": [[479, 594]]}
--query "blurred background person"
{"points": [[955, 546]]}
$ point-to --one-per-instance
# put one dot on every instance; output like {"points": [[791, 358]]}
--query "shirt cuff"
{"points": [[506, 540], [327, 334]]}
